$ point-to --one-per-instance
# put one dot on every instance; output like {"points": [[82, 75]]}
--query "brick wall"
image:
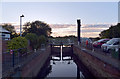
{"points": [[4, 45], [97, 67]]}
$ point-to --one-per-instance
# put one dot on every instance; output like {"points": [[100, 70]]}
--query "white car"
{"points": [[111, 44]]}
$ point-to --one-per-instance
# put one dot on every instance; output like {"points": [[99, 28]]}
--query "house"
{"points": [[4, 34]]}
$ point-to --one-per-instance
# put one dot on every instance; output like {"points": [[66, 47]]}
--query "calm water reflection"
{"points": [[67, 66]]}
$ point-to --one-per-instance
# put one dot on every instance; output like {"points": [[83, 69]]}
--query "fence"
{"points": [[15, 59], [113, 53]]}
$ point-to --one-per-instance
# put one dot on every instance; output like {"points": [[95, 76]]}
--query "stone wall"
{"points": [[96, 66]]}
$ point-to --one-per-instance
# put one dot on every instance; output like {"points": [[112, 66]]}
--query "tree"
{"points": [[42, 40], [105, 34], [17, 42], [112, 32], [37, 27], [33, 39], [11, 29]]}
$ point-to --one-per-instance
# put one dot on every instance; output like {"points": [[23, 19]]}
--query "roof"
{"points": [[3, 30]]}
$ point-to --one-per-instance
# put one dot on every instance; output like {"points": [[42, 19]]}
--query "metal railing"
{"points": [[113, 54], [16, 59]]}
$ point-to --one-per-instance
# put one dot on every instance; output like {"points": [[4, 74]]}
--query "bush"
{"points": [[17, 43]]}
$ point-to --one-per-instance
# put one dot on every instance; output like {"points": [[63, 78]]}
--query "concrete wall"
{"points": [[97, 67]]}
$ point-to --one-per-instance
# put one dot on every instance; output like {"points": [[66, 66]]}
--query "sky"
{"points": [[59, 0], [62, 13]]}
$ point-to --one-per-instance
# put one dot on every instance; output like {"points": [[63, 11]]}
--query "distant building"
{"points": [[4, 34]]}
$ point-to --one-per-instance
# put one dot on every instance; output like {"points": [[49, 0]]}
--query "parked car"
{"points": [[100, 42], [111, 44]]}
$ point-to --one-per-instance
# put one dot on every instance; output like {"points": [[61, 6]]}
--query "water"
{"points": [[67, 66], [63, 69]]}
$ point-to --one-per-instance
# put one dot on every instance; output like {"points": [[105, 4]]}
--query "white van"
{"points": [[111, 44]]}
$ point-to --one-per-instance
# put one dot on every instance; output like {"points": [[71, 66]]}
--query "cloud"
{"points": [[62, 25], [96, 25], [90, 34], [93, 29], [88, 30]]}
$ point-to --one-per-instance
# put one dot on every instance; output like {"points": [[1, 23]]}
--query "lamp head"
{"points": [[22, 16]]}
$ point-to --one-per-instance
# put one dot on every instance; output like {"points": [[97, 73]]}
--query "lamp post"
{"points": [[21, 24]]}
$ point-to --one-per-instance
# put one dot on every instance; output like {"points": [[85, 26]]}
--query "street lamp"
{"points": [[21, 24]]}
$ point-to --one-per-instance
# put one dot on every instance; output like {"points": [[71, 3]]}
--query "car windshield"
{"points": [[112, 41], [103, 40], [100, 40]]}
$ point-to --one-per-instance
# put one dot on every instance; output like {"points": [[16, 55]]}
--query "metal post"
{"points": [[78, 31], [18, 57], [13, 59], [78, 73], [72, 48]]}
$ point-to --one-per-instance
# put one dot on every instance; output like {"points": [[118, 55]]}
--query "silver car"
{"points": [[111, 44]]}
